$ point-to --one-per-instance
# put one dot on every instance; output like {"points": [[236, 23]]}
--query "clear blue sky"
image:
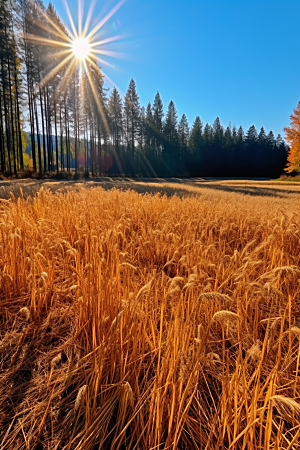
{"points": [[236, 59]]}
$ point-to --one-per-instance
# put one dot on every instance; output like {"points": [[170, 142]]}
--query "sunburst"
{"points": [[81, 45], [81, 48]]}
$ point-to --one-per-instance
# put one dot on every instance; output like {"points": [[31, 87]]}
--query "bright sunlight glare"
{"points": [[81, 48]]}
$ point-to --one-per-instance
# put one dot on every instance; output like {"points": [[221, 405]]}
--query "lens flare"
{"points": [[79, 44], [81, 48]]}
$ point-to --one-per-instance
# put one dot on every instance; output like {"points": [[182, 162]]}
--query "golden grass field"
{"points": [[142, 321]]}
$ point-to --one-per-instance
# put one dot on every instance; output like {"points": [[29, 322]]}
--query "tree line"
{"points": [[56, 117]]}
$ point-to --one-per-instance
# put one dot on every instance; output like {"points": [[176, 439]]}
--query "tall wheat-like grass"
{"points": [[134, 321]]}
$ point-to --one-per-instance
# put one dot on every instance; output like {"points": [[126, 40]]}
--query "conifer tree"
{"points": [[149, 128], [251, 136], [171, 142], [183, 135], [170, 125], [195, 140], [228, 138], [131, 112], [158, 112], [271, 139], [218, 131], [234, 135], [158, 115], [240, 135], [262, 138], [116, 117], [183, 132], [217, 157], [142, 130]]}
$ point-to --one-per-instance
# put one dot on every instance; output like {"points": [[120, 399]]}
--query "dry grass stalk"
{"points": [[138, 322], [80, 396], [288, 408]]}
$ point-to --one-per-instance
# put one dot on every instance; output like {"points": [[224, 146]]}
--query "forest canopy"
{"points": [[55, 117]]}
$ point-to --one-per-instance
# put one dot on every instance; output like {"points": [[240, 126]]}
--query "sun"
{"points": [[81, 48]]}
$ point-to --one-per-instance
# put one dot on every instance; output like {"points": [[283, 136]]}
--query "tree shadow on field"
{"points": [[252, 190], [182, 187]]}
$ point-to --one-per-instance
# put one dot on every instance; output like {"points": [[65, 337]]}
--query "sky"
{"points": [[235, 59]]}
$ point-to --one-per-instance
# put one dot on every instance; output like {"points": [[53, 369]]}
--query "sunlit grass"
{"points": [[289, 178], [144, 322]]}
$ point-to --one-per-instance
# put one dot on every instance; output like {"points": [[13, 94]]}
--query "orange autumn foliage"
{"points": [[292, 135]]}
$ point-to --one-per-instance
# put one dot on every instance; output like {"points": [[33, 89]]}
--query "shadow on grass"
{"points": [[181, 187]]}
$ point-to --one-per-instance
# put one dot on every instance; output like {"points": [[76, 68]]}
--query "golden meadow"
{"points": [[133, 321]]}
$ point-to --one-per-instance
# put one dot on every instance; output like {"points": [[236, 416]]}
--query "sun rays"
{"points": [[79, 46]]}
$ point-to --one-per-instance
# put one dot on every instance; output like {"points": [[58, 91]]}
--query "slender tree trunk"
{"points": [[69, 149], [75, 121], [17, 134], [66, 131], [61, 141], [11, 112], [87, 144], [47, 130], [99, 149], [85, 151], [19, 122], [78, 134], [43, 130], [32, 130], [17, 108], [12, 124], [76, 152], [50, 129], [56, 138], [38, 137], [92, 150], [30, 105], [6, 121], [2, 145]]}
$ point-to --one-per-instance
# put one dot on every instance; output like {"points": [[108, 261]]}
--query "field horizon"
{"points": [[256, 186]]}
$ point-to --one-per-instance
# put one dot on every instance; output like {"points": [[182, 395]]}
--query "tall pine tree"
{"points": [[131, 122]]}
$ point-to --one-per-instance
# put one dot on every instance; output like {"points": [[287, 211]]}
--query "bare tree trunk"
{"points": [[69, 149], [47, 131], [2, 146], [17, 134], [56, 138], [6, 121], [61, 141], [38, 137], [19, 123], [32, 131], [99, 149], [66, 131], [50, 130], [11, 115], [84, 149], [43, 129]]}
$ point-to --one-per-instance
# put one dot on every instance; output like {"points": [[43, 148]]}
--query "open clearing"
{"points": [[168, 186], [132, 321]]}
